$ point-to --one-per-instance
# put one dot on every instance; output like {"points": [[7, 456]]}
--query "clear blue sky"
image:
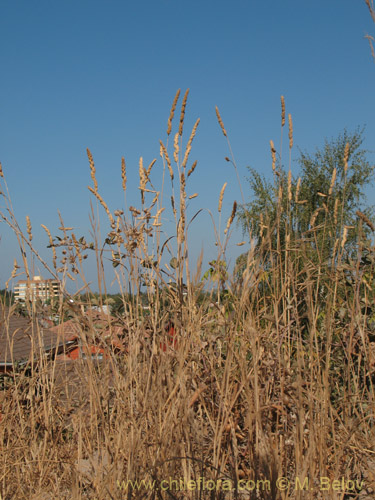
{"points": [[103, 74]]}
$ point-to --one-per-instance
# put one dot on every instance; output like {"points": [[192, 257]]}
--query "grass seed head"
{"points": [[51, 245], [176, 148], [344, 236], [335, 210], [280, 194], [370, 5], [290, 131], [164, 153], [103, 204], [173, 206], [273, 153], [220, 121], [192, 168], [231, 218], [148, 171], [298, 189], [333, 179], [182, 185], [29, 230], [314, 216], [123, 173], [173, 109], [190, 141], [182, 115], [92, 168], [157, 216], [290, 185], [142, 179], [14, 273], [282, 111], [365, 219], [221, 196]]}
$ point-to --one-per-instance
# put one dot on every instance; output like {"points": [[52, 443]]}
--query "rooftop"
{"points": [[22, 339]]}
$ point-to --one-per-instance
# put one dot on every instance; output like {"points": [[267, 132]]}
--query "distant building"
{"points": [[35, 289]]}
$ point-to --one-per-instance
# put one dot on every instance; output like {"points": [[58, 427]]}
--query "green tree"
{"points": [[6, 297], [316, 206]]}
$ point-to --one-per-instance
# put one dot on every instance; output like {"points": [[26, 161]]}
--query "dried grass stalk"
{"points": [[173, 206], [371, 43], [365, 219], [176, 148], [182, 185], [196, 395], [344, 236], [182, 115], [181, 224], [142, 179], [220, 121], [314, 216], [148, 171], [280, 194], [135, 212], [77, 248], [141, 171], [221, 196], [231, 218], [192, 196], [335, 246], [154, 200], [123, 173], [261, 224], [298, 189], [190, 141], [29, 229], [173, 109], [51, 245], [157, 216], [335, 210], [192, 168], [273, 153], [290, 185], [14, 273], [164, 153], [370, 5], [282, 111], [92, 169], [104, 205], [290, 131], [1, 170], [333, 180]]}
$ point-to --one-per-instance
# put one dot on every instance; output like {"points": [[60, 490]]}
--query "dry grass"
{"points": [[272, 379], [370, 5]]}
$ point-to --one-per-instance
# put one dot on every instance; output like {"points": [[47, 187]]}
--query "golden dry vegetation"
{"points": [[269, 379]]}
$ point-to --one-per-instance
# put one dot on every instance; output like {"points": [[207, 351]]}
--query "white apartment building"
{"points": [[37, 288]]}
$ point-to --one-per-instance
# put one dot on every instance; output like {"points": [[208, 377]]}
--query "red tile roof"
{"points": [[94, 327], [22, 339]]}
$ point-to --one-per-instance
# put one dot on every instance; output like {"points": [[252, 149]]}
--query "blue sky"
{"points": [[103, 74]]}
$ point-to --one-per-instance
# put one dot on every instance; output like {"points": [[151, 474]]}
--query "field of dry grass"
{"points": [[268, 391]]}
